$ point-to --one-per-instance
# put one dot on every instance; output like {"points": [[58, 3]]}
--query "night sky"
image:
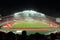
{"points": [[50, 8]]}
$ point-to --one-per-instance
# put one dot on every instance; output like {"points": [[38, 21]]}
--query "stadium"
{"points": [[29, 20]]}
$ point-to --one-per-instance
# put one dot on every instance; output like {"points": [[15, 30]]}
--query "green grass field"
{"points": [[24, 24]]}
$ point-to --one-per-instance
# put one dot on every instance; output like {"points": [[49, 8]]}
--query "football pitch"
{"points": [[27, 24]]}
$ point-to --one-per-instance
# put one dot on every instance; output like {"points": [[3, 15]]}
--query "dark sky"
{"points": [[51, 8]]}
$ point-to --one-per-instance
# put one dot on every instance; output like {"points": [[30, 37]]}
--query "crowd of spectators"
{"points": [[24, 36]]}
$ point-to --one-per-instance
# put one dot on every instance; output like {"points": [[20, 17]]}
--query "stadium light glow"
{"points": [[16, 14], [42, 15], [31, 11], [27, 13]]}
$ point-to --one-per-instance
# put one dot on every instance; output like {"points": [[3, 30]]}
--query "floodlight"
{"points": [[33, 11], [43, 15], [15, 14]]}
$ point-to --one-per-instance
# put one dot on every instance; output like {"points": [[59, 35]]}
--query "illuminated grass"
{"points": [[24, 24]]}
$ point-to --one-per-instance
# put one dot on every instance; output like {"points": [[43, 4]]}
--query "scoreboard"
{"points": [[58, 20]]}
